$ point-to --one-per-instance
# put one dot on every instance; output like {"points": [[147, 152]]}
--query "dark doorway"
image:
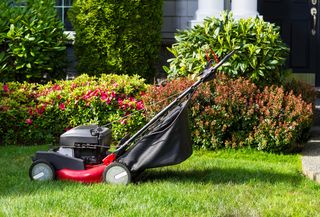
{"points": [[299, 30]]}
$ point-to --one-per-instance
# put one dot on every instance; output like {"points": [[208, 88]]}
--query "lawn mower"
{"points": [[83, 154]]}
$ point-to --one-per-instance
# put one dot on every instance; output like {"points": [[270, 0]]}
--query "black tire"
{"points": [[41, 170], [116, 173]]}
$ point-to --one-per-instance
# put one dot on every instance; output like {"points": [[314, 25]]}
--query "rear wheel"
{"points": [[41, 171], [117, 173]]}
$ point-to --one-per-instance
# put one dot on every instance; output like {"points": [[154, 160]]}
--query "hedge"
{"points": [[225, 113], [117, 36], [235, 113]]}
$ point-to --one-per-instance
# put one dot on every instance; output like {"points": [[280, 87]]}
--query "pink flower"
{"points": [[108, 101], [40, 109], [73, 86], [123, 122], [113, 94], [29, 121], [85, 97], [94, 93], [88, 94], [103, 96], [122, 104], [132, 99], [6, 88], [56, 87], [62, 106], [140, 105], [120, 101]]}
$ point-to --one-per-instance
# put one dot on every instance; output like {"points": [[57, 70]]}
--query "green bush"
{"points": [[113, 36], [32, 44], [236, 113], [260, 54], [38, 114]]}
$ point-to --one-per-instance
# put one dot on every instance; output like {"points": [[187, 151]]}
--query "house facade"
{"points": [[298, 20]]}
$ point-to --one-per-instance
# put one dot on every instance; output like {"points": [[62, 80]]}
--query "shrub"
{"points": [[284, 120], [115, 36], [236, 113], [225, 112], [31, 41], [260, 54], [37, 114]]}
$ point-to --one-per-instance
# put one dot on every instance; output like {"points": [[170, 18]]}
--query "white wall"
{"points": [[177, 14]]}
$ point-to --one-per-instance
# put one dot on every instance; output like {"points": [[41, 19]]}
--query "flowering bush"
{"points": [[225, 112], [236, 113], [33, 113]]}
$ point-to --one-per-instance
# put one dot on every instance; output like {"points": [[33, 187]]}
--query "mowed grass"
{"points": [[221, 183]]}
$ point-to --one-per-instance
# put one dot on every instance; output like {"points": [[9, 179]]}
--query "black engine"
{"points": [[87, 142]]}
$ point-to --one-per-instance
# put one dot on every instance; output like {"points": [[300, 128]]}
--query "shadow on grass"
{"points": [[206, 176], [219, 176], [15, 163]]}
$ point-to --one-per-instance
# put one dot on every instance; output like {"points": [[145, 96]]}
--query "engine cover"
{"points": [[86, 135]]}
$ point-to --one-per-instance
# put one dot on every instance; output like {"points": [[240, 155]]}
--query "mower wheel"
{"points": [[117, 173], [41, 170]]}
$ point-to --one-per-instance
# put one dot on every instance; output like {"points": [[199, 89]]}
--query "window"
{"points": [[62, 7]]}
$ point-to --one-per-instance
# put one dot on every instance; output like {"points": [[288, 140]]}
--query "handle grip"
{"points": [[208, 74]]}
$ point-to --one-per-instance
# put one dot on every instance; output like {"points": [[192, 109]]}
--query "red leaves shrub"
{"points": [[235, 113], [157, 97], [284, 120]]}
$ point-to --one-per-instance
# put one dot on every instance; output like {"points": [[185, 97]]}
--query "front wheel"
{"points": [[117, 173], [41, 171]]}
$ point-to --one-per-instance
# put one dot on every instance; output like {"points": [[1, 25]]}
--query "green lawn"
{"points": [[222, 183]]}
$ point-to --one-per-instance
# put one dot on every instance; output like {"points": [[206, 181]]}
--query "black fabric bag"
{"points": [[168, 143]]}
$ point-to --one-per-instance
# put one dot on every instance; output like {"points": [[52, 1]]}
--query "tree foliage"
{"points": [[117, 36]]}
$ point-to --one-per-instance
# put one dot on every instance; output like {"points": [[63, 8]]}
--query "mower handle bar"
{"points": [[205, 76]]}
